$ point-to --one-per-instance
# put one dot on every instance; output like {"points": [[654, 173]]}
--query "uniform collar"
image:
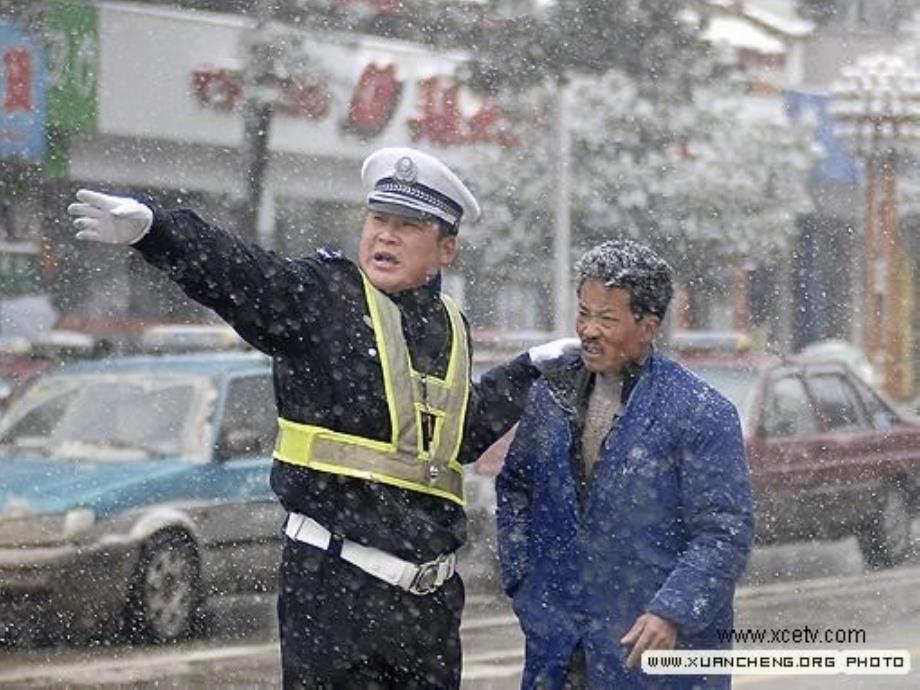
{"points": [[428, 293]]}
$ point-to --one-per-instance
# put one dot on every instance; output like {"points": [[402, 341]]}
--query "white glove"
{"points": [[110, 219], [553, 350]]}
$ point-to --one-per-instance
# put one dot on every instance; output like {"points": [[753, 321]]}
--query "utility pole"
{"points": [[261, 92], [562, 239]]}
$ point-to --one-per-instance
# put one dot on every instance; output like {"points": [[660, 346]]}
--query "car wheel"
{"points": [[165, 591], [885, 541]]}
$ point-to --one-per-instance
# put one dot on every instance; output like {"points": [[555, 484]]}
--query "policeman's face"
{"points": [[611, 335], [398, 253]]}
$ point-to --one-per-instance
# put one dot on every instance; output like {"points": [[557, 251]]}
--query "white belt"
{"points": [[417, 579]]}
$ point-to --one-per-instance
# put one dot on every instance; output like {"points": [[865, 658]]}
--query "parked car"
{"points": [[842, 351], [21, 359], [190, 337], [132, 489], [829, 456]]}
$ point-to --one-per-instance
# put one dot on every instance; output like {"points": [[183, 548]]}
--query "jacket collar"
{"points": [[425, 325], [421, 300], [570, 382]]}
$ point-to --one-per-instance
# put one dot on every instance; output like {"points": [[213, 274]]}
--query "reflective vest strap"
{"points": [[457, 393], [322, 449], [449, 392], [458, 369], [394, 360]]}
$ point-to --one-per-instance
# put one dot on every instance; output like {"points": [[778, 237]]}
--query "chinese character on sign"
{"points": [[222, 89], [218, 88], [486, 126], [19, 68], [442, 122], [22, 95], [374, 100], [303, 98]]}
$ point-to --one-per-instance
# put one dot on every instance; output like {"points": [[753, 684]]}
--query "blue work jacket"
{"points": [[666, 526]]}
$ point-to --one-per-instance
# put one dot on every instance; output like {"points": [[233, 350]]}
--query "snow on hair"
{"points": [[631, 266]]}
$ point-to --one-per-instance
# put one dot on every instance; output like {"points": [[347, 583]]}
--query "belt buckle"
{"points": [[426, 579]]}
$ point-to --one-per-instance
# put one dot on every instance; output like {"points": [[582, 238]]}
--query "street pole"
{"points": [[258, 107], [562, 240], [897, 317], [257, 119], [872, 298]]}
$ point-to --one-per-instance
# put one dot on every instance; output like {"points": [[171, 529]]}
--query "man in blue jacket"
{"points": [[624, 506]]}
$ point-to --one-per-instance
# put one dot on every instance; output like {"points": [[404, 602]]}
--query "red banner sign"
{"points": [[373, 102]]}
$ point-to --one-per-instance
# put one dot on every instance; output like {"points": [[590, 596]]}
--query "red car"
{"points": [[829, 457]]}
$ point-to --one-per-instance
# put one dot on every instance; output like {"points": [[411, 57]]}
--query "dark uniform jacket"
{"points": [[310, 315]]}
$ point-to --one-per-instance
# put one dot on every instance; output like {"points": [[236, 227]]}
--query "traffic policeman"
{"points": [[377, 414]]}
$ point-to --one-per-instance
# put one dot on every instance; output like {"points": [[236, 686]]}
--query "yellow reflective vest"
{"points": [[427, 416]]}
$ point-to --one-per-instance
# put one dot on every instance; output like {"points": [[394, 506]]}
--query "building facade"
{"points": [[163, 92]]}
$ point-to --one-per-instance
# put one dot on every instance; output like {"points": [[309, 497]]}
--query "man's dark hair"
{"points": [[633, 267]]}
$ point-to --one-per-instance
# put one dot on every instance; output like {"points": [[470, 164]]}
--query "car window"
{"points": [[836, 402], [133, 414], [880, 415], [105, 416], [38, 422], [788, 410], [250, 421]]}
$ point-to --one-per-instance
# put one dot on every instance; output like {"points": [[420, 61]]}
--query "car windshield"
{"points": [[738, 385], [105, 416]]}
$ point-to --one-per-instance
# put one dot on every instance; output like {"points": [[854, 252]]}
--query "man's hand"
{"points": [[648, 632], [545, 355], [112, 219]]}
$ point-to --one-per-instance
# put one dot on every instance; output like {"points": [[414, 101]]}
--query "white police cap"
{"points": [[408, 182]]}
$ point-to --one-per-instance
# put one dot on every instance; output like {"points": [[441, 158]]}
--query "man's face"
{"points": [[611, 335], [398, 253]]}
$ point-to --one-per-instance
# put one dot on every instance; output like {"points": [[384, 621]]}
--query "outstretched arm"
{"points": [[499, 396], [267, 298], [496, 402]]}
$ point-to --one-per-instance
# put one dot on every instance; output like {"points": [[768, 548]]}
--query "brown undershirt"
{"points": [[603, 409]]}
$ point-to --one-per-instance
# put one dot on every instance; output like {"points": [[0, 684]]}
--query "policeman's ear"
{"points": [[447, 248]]}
